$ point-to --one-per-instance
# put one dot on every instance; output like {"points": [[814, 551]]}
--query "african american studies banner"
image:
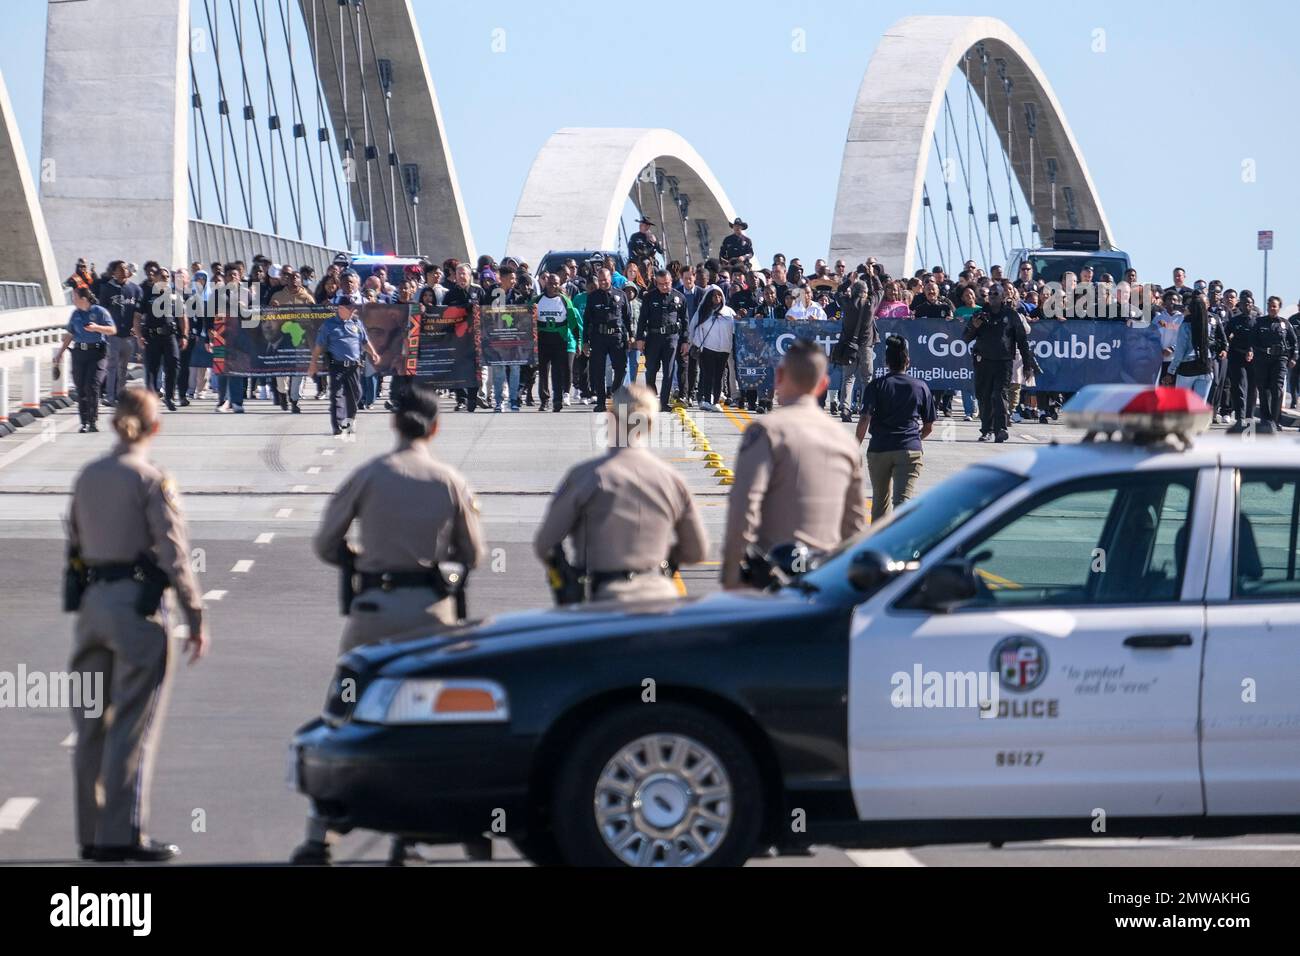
{"points": [[509, 335], [1072, 353], [273, 341], [442, 347]]}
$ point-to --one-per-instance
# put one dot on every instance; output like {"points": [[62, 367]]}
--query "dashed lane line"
{"points": [[265, 538], [215, 595], [882, 858], [242, 567], [14, 811], [284, 512], [69, 741]]}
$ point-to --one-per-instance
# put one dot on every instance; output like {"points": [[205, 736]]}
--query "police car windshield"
{"points": [[920, 525], [1051, 268]]}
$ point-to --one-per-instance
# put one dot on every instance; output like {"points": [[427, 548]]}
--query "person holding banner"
{"points": [[342, 340]]}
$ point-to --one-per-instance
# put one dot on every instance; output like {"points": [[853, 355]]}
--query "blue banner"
{"points": [[1072, 353]]}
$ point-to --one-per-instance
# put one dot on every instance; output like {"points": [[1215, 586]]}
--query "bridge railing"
{"points": [[212, 242], [22, 295]]}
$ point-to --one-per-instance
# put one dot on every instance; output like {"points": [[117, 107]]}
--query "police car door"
{"points": [[1251, 689], [1083, 641]]}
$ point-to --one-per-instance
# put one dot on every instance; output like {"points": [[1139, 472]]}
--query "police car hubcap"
{"points": [[663, 800]]}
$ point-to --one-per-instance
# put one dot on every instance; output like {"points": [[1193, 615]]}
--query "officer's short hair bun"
{"points": [[416, 409]]}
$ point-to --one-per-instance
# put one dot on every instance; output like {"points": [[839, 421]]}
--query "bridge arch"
{"points": [[882, 177], [580, 182]]}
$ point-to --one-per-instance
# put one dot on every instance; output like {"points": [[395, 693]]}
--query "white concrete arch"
{"points": [[582, 178], [25, 249], [880, 190], [114, 132]]}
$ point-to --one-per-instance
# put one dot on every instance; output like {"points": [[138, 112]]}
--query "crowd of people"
{"points": [[603, 321]]}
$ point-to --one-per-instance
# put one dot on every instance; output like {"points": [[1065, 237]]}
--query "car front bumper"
{"points": [[436, 782]]}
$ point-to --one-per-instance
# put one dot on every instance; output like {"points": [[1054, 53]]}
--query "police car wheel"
{"points": [[657, 786]]}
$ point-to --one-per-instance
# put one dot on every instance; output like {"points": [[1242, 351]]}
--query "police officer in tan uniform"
{"points": [[798, 472], [415, 513], [125, 529], [630, 516]]}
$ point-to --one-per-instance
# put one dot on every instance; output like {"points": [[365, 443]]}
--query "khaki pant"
{"points": [[893, 479], [643, 587], [114, 758], [378, 615]]}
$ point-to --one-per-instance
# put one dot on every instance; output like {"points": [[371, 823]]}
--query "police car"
{"points": [[1082, 639]]}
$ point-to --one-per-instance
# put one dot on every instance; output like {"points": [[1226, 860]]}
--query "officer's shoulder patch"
{"points": [[169, 491]]}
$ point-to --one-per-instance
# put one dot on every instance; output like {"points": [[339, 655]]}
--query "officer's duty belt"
{"points": [[158, 330], [108, 573], [389, 580], [601, 578], [609, 330], [343, 363], [1274, 351], [87, 346]]}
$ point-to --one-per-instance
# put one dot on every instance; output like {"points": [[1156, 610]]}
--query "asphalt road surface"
{"points": [[254, 487]]}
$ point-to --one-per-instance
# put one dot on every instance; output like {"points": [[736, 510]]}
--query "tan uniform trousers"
{"points": [[378, 615], [115, 752], [644, 587], [893, 479]]}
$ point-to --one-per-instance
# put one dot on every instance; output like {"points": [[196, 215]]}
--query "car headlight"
{"points": [[423, 701]]}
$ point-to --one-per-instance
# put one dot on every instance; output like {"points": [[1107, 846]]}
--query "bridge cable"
{"points": [[274, 125], [349, 145], [299, 127], [952, 225], [201, 119], [323, 134], [213, 17], [975, 238], [394, 159], [367, 128]]}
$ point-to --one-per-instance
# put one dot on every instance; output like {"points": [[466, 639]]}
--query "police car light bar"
{"points": [[1139, 413]]}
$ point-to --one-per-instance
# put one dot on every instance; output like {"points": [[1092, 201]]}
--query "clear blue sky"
{"points": [[1165, 116]]}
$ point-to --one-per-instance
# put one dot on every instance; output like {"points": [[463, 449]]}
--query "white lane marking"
{"points": [[69, 741], [299, 489], [215, 595], [882, 858], [1183, 843], [314, 470], [40, 436], [284, 512], [328, 451], [242, 567], [265, 538], [14, 811]]}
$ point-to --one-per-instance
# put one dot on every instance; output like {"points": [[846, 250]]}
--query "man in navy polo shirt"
{"points": [[898, 411]]}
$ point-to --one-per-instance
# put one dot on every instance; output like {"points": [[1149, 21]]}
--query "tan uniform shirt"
{"points": [[124, 506], [798, 477], [626, 511], [414, 510]]}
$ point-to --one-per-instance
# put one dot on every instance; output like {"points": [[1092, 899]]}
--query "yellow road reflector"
{"points": [[724, 473], [726, 481]]}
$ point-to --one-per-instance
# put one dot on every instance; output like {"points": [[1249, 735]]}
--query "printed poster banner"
{"points": [[1073, 353], [442, 347], [509, 335], [279, 341]]}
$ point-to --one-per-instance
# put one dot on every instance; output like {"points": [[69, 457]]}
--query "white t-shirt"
{"points": [[552, 310]]}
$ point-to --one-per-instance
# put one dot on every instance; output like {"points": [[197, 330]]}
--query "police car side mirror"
{"points": [[870, 570], [947, 586]]}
